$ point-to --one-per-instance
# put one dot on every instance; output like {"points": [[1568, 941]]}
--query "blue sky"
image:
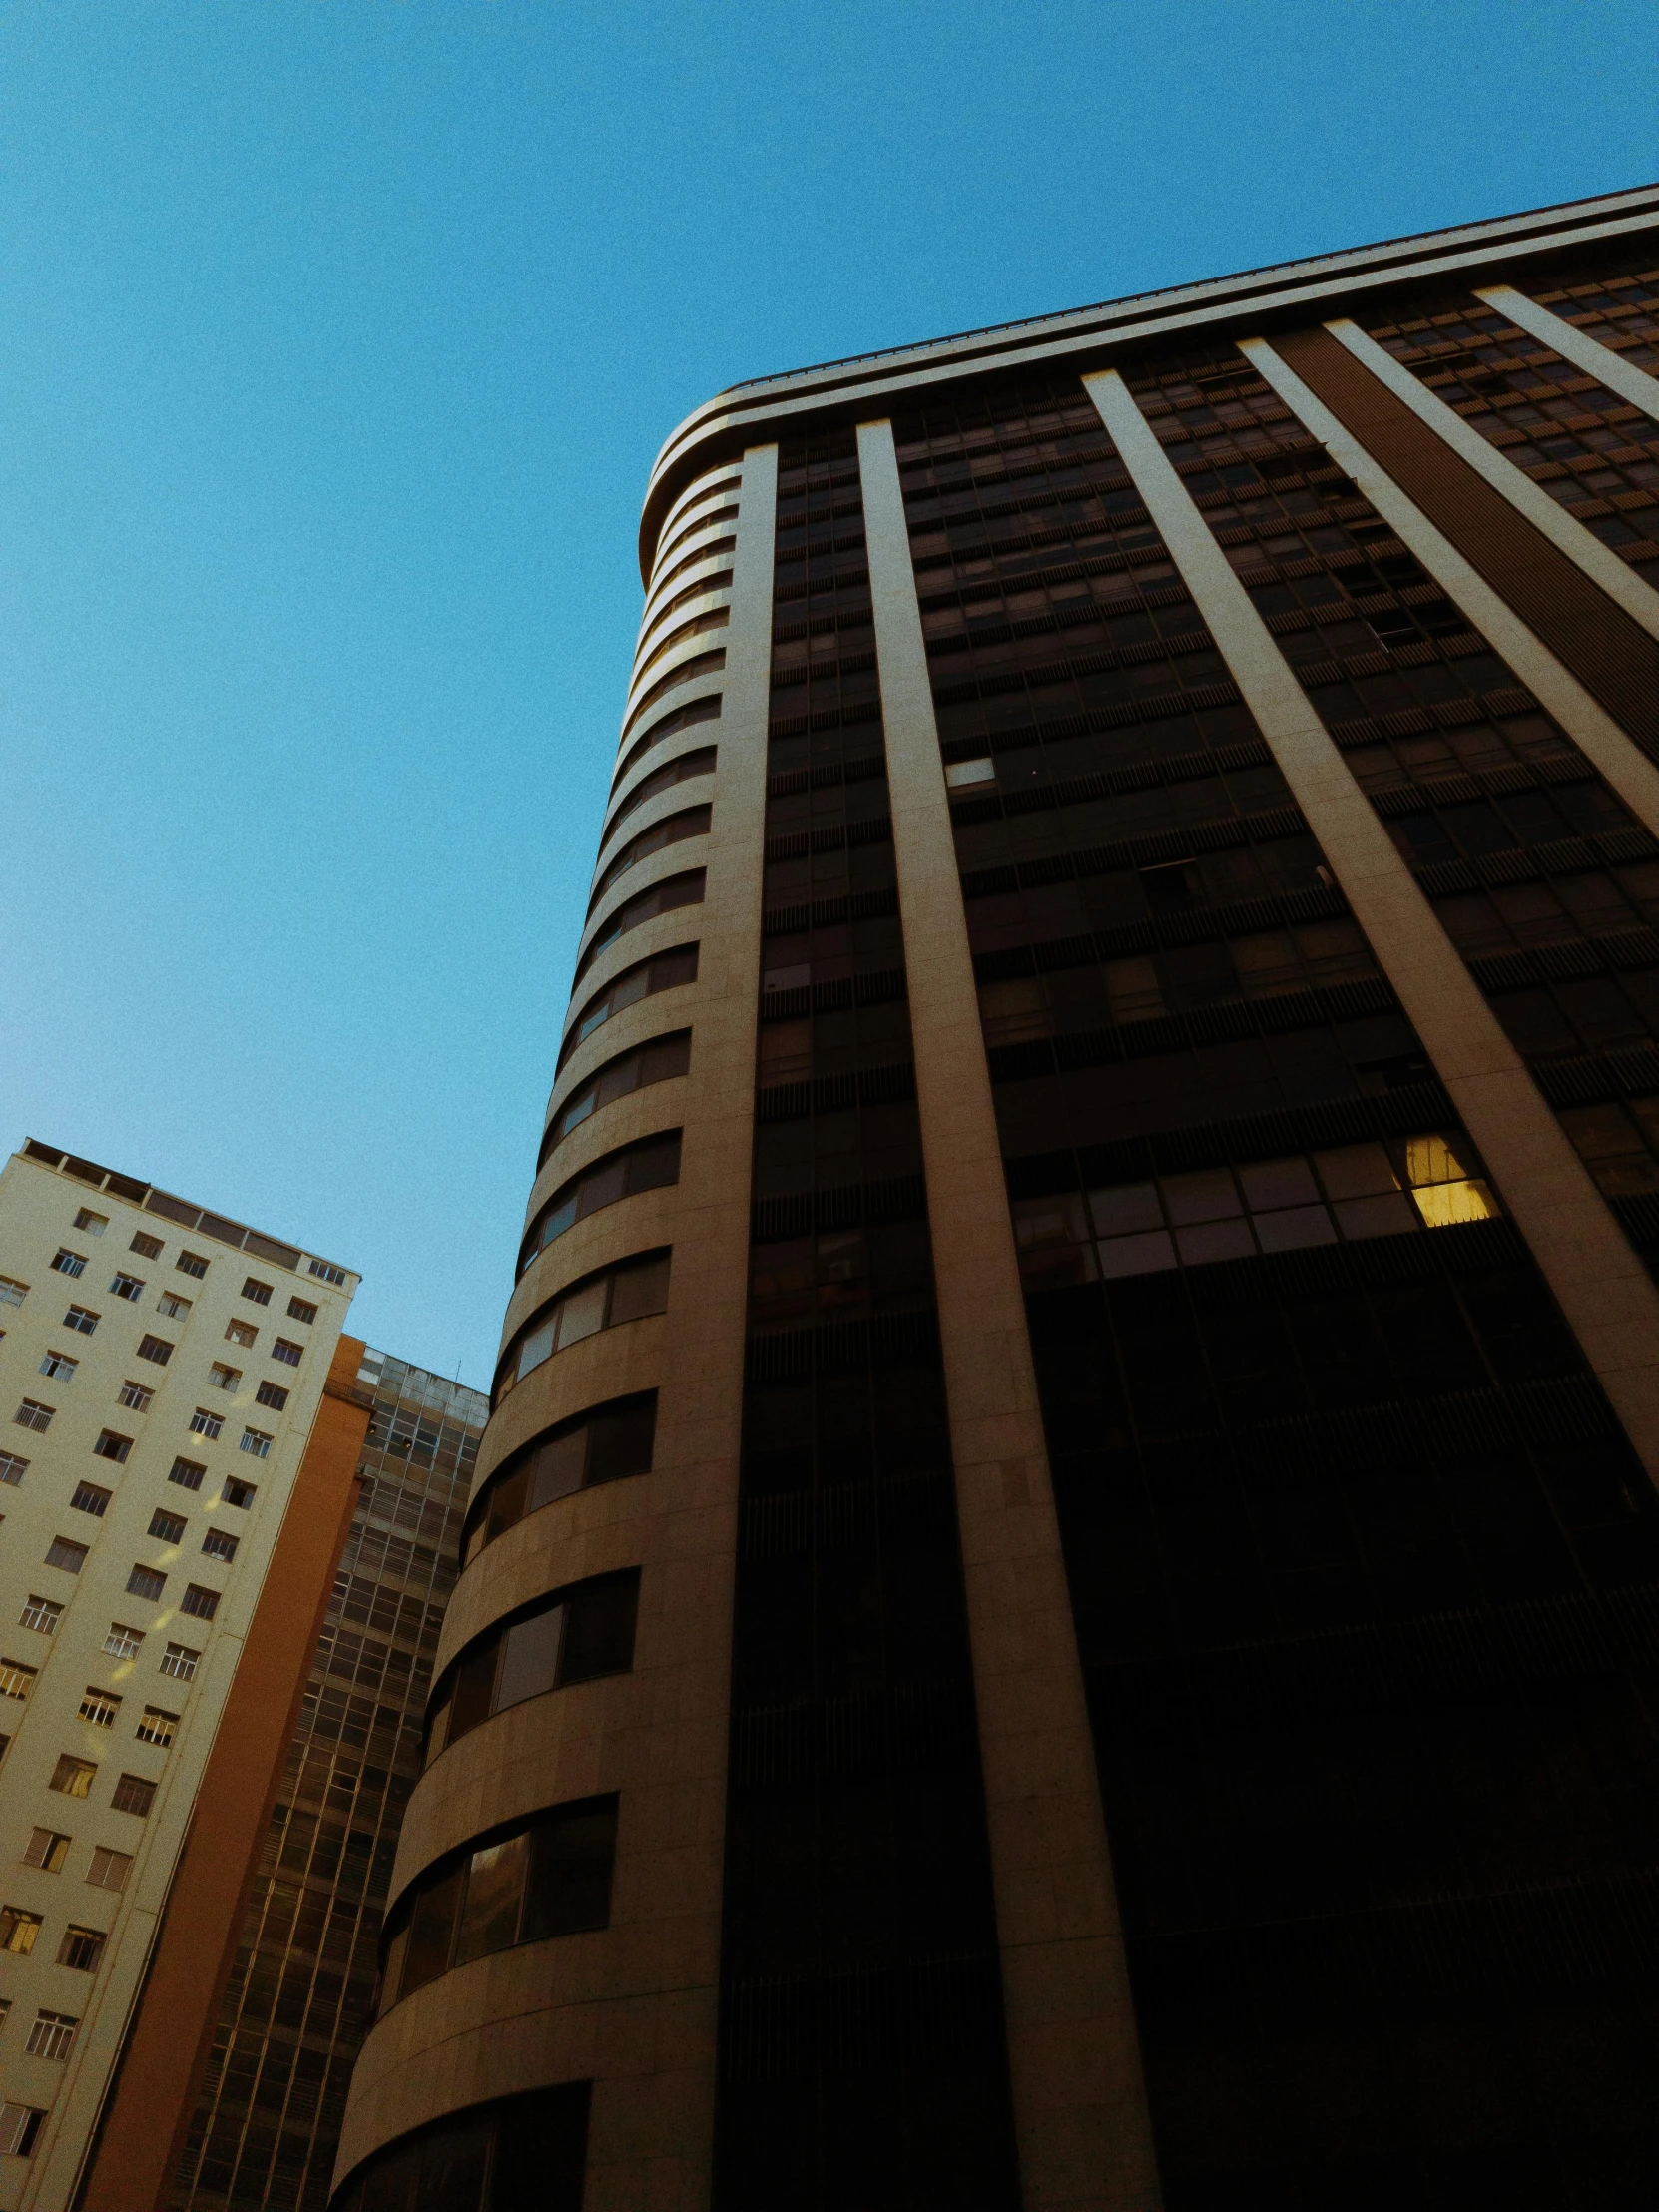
{"points": [[336, 338]]}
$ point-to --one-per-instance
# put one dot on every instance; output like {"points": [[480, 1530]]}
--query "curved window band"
{"points": [[574, 1634], [495, 2157], [657, 1062], [664, 971], [604, 1443]]}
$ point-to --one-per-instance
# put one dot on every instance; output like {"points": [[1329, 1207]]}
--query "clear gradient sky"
{"points": [[336, 338]]}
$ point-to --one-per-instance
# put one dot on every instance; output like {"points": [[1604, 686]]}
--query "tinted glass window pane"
{"points": [[431, 1930], [639, 1291], [620, 1444], [391, 2187], [506, 1503], [556, 1469], [570, 1874], [475, 1679], [454, 2167], [599, 1638], [541, 2151], [530, 1661], [494, 1884]]}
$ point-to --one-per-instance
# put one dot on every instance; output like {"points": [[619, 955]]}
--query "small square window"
{"points": [[122, 1642], [289, 1353], [187, 1473], [12, 1292], [259, 1292], [156, 1348], [72, 1777], [33, 1414], [69, 1263], [180, 1661], [59, 1367], [219, 1544], [100, 1707], [80, 1949], [169, 1527], [112, 1444], [272, 1395], [204, 1604], [327, 1271], [302, 1308], [157, 1726], [109, 1868], [242, 1332], [192, 1262], [172, 1307], [18, 1929], [82, 1319], [205, 1422], [223, 1378], [132, 1793], [139, 1396], [146, 1582], [129, 1287], [91, 1497], [146, 1246], [94, 1224], [16, 1680], [12, 1468], [255, 1443], [19, 2126], [52, 2036], [237, 1492], [61, 1551], [47, 1849], [41, 1614]]}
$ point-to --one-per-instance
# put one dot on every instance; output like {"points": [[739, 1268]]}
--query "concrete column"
{"points": [[1085, 2137], [1575, 346], [1600, 1285], [1597, 736]]}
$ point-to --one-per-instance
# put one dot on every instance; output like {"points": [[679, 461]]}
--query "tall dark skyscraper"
{"points": [[1059, 1607]]}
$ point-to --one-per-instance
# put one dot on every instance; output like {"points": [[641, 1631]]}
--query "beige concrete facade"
{"points": [[87, 1638]]}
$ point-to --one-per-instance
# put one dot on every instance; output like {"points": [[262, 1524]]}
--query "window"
{"points": [[187, 1473], [146, 1582], [255, 1443], [204, 1604], [16, 1680], [241, 1333], [146, 1246], [52, 2036], [19, 2125], [286, 1352], [132, 1793], [644, 1165], [129, 1287], [602, 1445], [109, 1868], [12, 1292], [81, 1319], [80, 1949], [180, 1661], [122, 1642], [59, 1366], [158, 1727], [72, 1777], [61, 1551], [169, 1527], [629, 1292], [41, 1614], [661, 974], [327, 1271], [221, 1377], [94, 1224], [664, 897], [302, 1308], [112, 1444], [12, 1468], [550, 1876], [172, 1307], [47, 1849], [191, 1263], [239, 1493], [272, 1395], [154, 1347], [33, 1414], [69, 1263], [93, 1499], [100, 1707], [573, 1635], [18, 1929], [203, 1422], [259, 1292], [217, 1544]]}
